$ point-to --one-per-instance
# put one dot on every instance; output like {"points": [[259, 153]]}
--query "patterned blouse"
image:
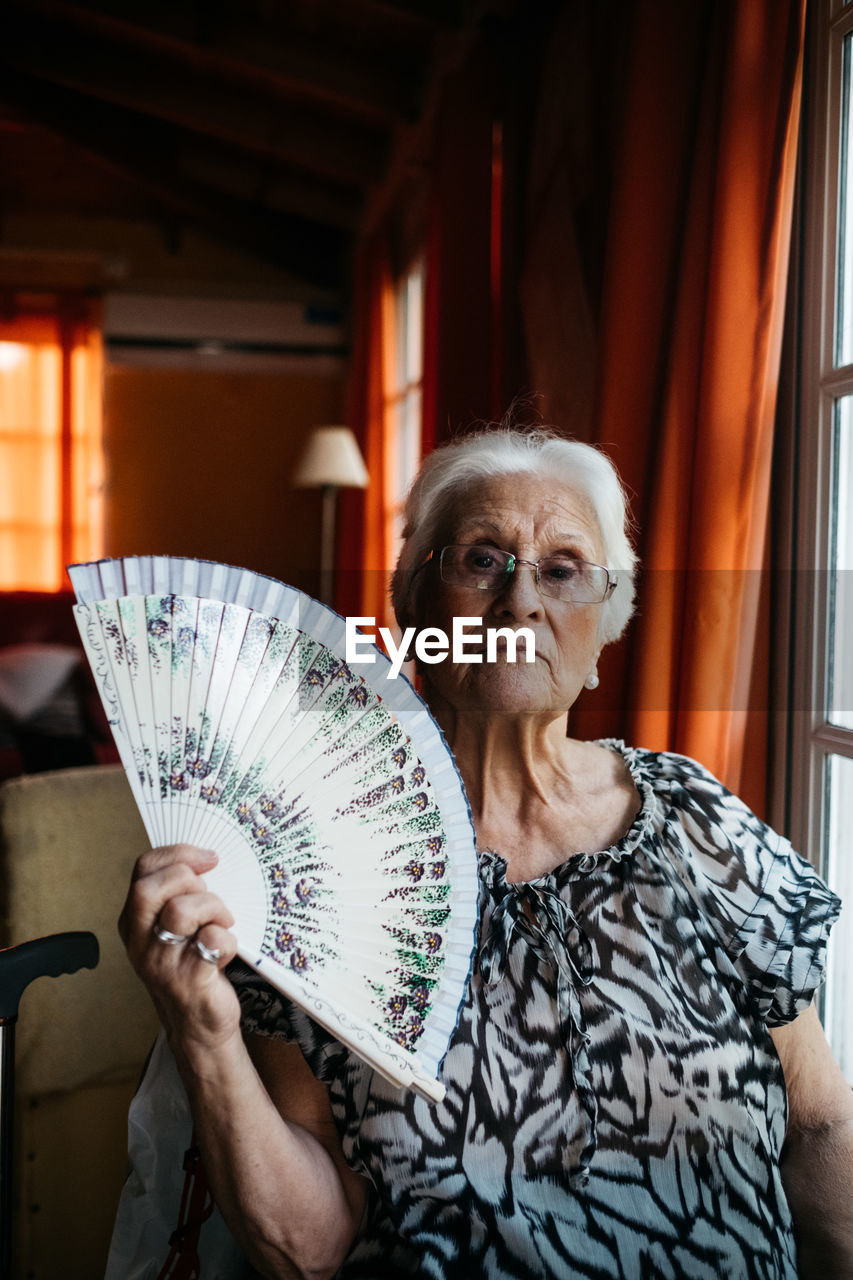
{"points": [[615, 1106]]}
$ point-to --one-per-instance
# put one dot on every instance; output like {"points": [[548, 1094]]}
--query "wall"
{"points": [[198, 464]]}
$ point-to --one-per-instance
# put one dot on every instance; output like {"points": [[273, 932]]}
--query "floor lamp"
{"points": [[330, 461]]}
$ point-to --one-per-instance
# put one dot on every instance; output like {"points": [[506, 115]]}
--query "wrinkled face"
{"points": [[530, 517]]}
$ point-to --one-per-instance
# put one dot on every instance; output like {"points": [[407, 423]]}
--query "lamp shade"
{"points": [[331, 458]]}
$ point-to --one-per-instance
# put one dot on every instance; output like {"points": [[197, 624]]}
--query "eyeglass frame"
{"points": [[514, 561]]}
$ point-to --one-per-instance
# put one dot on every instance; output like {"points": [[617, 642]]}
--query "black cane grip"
{"points": [[42, 957]]}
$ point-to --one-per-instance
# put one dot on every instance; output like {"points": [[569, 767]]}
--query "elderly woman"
{"points": [[638, 1084]]}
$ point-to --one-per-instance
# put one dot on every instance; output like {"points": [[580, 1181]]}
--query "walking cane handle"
{"points": [[42, 957]]}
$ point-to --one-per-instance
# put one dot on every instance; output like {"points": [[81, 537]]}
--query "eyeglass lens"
{"points": [[485, 568]]}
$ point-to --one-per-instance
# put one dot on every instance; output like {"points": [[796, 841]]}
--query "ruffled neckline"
{"points": [[493, 864]]}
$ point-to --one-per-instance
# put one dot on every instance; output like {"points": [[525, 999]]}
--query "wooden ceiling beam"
{"points": [[239, 175], [432, 13], [302, 139], [147, 153], [379, 90]]}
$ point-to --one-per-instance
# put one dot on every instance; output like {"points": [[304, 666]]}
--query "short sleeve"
{"points": [[266, 1012], [768, 907]]}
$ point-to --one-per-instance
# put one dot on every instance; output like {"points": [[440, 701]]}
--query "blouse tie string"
{"points": [[555, 935]]}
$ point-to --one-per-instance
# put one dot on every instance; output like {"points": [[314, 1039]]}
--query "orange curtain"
{"points": [[689, 345], [50, 445], [363, 556], [652, 285]]}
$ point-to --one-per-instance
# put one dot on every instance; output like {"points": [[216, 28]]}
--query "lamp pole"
{"points": [[327, 543], [331, 460]]}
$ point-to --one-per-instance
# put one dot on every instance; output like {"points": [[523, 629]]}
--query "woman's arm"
{"points": [[269, 1145], [817, 1158], [280, 1180]]}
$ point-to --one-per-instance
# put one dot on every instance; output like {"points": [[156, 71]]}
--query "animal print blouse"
{"points": [[615, 1106]]}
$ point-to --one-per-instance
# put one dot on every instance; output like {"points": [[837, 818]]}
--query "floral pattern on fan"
{"points": [[277, 829], [294, 935]]}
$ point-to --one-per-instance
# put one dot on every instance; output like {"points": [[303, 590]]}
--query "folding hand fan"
{"points": [[346, 851]]}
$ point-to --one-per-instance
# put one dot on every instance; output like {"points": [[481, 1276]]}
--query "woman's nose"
{"points": [[520, 597]]}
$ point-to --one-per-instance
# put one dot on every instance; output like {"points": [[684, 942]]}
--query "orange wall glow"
{"points": [[199, 464]]}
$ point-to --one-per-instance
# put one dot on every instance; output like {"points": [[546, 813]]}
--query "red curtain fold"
{"points": [[462, 304], [688, 358]]}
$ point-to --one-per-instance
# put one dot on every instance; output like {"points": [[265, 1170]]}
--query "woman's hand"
{"points": [[177, 939], [270, 1146]]}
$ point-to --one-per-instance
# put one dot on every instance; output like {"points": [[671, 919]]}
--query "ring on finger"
{"points": [[166, 935], [210, 954]]}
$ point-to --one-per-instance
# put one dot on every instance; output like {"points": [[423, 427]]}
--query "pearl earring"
{"points": [[591, 681]]}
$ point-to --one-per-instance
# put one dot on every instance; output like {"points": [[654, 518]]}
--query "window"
{"points": [[822, 719], [50, 448]]}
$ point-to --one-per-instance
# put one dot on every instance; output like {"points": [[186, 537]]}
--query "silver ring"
{"points": [[210, 954], [166, 935]]}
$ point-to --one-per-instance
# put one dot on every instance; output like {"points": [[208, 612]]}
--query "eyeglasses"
{"points": [[484, 568]]}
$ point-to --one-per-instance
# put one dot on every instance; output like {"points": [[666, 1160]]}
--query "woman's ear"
{"points": [[405, 616], [407, 607]]}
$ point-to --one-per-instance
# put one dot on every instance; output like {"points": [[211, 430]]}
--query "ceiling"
{"points": [[275, 126]]}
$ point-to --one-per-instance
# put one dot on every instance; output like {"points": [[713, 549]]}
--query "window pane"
{"points": [[38, 527], [838, 1007], [30, 482], [844, 302], [414, 335], [840, 709]]}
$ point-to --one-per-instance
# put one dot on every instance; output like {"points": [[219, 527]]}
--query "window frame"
{"points": [[813, 738]]}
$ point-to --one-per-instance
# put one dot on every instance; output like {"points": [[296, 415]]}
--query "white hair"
{"points": [[440, 485]]}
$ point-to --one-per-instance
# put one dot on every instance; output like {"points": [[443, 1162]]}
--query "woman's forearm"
{"points": [[817, 1171], [277, 1186]]}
